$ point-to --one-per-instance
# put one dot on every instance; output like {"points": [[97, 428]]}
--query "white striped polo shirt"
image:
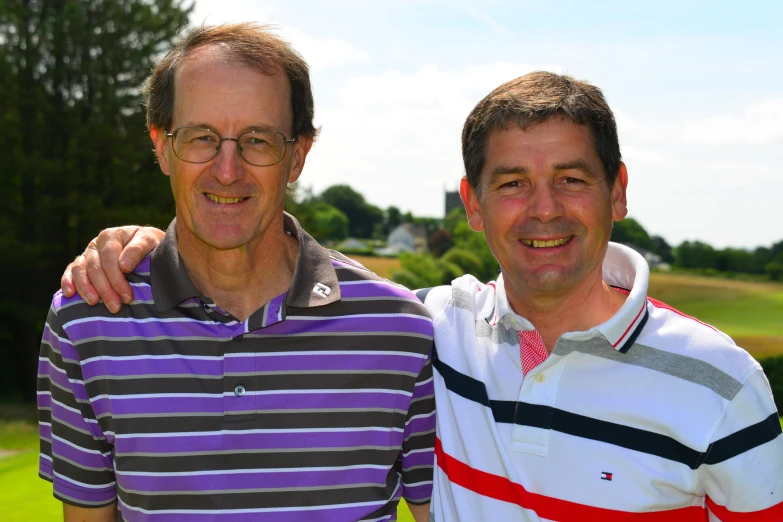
{"points": [[650, 416]]}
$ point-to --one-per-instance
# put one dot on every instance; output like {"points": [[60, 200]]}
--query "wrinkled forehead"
{"points": [[541, 144], [211, 81]]}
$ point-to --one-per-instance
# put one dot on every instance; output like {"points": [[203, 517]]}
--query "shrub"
{"points": [[773, 368]]}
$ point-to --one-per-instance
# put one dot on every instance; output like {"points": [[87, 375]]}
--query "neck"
{"points": [[592, 303], [241, 280]]}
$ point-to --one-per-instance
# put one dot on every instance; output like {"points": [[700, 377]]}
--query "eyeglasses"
{"points": [[258, 147]]}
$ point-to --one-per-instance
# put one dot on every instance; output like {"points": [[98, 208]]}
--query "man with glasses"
{"points": [[254, 375]]}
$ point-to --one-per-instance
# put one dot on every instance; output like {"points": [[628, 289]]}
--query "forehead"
{"points": [[211, 87], [540, 146]]}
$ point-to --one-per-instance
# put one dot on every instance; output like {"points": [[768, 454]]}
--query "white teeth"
{"points": [[535, 243], [218, 199]]}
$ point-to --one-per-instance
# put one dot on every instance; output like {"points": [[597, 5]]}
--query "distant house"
{"points": [[653, 259], [406, 238], [352, 243]]}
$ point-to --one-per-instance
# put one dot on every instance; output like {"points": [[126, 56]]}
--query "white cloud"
{"points": [[395, 136], [761, 123], [320, 53], [323, 53]]}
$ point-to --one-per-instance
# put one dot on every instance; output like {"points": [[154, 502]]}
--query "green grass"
{"points": [[749, 312], [23, 495], [739, 308]]}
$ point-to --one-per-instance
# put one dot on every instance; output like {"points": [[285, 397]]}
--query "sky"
{"points": [[696, 88]]}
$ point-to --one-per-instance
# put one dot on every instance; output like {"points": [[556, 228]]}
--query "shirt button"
{"points": [[239, 390], [540, 378]]}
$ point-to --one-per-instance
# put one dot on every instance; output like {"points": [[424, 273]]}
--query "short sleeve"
{"points": [[742, 473], [419, 440], [75, 455]]}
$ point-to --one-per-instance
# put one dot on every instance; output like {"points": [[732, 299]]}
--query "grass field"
{"points": [[751, 313]]}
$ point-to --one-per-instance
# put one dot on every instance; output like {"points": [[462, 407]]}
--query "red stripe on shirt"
{"points": [[771, 514], [661, 304], [501, 488], [644, 306]]}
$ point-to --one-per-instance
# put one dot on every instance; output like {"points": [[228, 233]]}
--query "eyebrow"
{"points": [[261, 127], [576, 165], [503, 170]]}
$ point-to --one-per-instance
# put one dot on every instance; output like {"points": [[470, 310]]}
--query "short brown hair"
{"points": [[535, 98], [250, 44]]}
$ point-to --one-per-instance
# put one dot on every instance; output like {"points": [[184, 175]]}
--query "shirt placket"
{"points": [[539, 388]]}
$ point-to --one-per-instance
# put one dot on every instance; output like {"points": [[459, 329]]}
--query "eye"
{"points": [[511, 184], [573, 181]]}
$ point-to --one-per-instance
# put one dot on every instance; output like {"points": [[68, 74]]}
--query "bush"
{"points": [[773, 368]]}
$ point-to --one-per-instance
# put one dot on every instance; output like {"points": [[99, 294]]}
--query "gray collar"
{"points": [[314, 282]]}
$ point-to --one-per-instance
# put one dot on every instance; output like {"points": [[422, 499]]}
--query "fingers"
{"points": [[99, 273], [75, 280], [97, 276], [141, 243], [110, 243]]}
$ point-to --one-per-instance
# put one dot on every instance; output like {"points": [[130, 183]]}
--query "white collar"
{"points": [[622, 268]]}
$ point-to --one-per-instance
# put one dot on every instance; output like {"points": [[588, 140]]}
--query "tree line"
{"points": [[763, 261]]}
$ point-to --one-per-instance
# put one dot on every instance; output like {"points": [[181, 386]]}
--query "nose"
{"points": [[228, 166], [544, 204]]}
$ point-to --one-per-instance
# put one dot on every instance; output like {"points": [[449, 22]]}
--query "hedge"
{"points": [[773, 368]]}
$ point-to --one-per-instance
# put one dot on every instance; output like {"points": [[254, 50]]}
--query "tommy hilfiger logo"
{"points": [[606, 476], [322, 290]]}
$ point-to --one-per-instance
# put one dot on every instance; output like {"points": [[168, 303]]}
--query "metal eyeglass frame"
{"points": [[221, 139]]}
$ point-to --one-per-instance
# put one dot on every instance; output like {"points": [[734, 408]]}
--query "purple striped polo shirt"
{"points": [[318, 407]]}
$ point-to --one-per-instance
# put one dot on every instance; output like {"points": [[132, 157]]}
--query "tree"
{"points": [[325, 222], [663, 249], [440, 242], [76, 153], [393, 219], [362, 216], [695, 254], [630, 231]]}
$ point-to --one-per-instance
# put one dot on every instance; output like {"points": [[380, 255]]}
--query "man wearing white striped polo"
{"points": [[562, 391]]}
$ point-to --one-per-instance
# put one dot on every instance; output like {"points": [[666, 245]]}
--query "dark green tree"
{"points": [[695, 254], [663, 249], [362, 216], [393, 219], [630, 231], [76, 153]]}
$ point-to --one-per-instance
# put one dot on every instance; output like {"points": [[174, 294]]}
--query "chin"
{"points": [[225, 241], [550, 280]]}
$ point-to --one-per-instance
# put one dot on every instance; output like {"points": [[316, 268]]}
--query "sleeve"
{"points": [[742, 473], [74, 456], [418, 447]]}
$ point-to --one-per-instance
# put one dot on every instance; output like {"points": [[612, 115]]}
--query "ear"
{"points": [[472, 207], [302, 147], [619, 201], [159, 139]]}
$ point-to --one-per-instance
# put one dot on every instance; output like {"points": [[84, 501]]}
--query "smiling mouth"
{"points": [[549, 243], [222, 200]]}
